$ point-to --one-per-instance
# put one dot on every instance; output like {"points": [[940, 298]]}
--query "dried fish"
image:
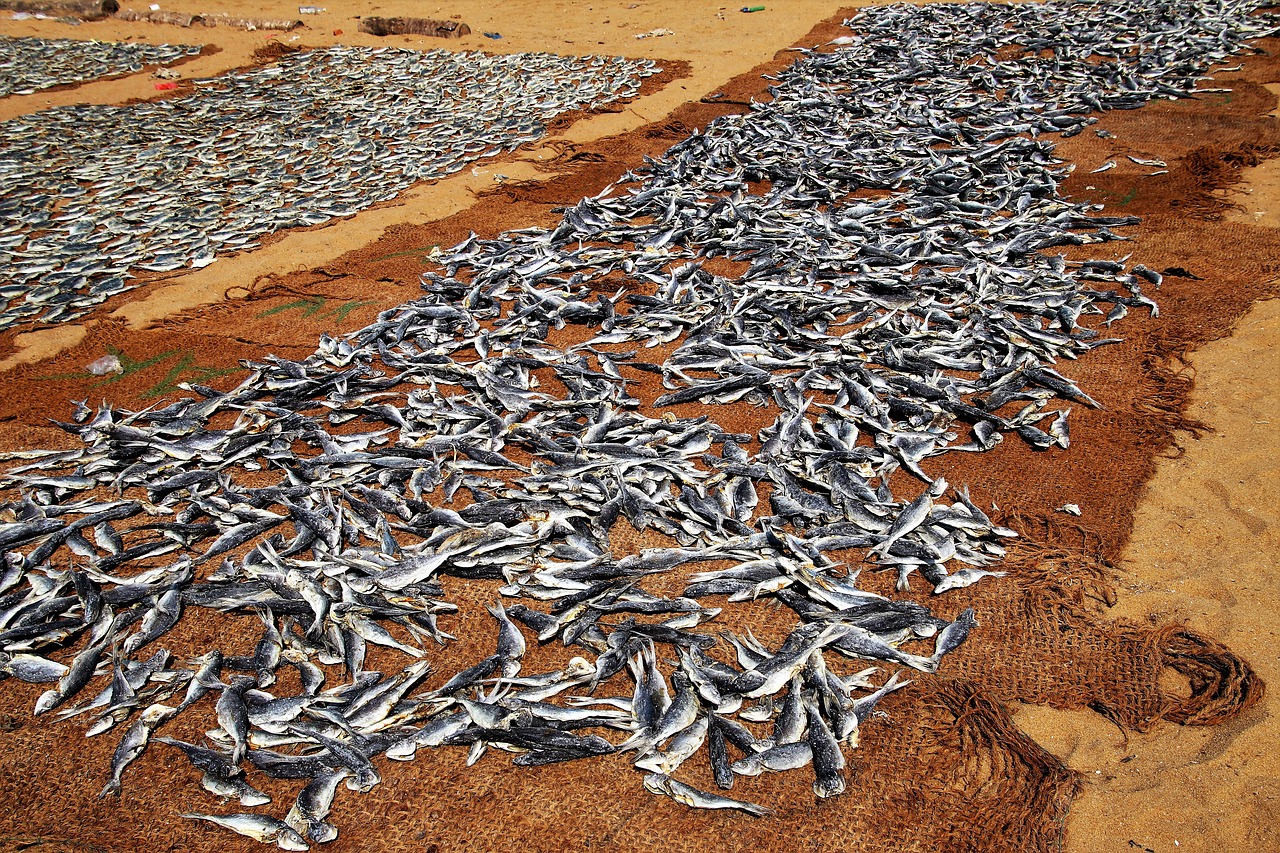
{"points": [[880, 330], [92, 194], [29, 64]]}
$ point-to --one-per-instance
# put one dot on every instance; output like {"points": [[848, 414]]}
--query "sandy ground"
{"points": [[1205, 544], [1203, 551]]}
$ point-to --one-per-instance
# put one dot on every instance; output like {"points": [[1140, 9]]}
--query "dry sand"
{"points": [[1204, 546], [1204, 550]]}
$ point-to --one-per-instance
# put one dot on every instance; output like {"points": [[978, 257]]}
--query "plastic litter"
{"points": [[40, 16], [103, 366]]}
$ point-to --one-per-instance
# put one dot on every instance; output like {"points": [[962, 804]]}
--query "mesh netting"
{"points": [[945, 767]]}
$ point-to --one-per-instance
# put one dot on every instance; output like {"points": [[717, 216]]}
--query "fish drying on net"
{"points": [[91, 194], [896, 207], [29, 64]]}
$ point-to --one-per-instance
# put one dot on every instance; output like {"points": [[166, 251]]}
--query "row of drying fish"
{"points": [[29, 64], [91, 194], [890, 210]]}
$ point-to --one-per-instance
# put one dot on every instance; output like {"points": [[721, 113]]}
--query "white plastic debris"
{"points": [[103, 366], [1070, 509]]}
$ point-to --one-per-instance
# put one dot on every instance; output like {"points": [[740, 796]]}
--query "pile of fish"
{"points": [[892, 213], [89, 193], [29, 64]]}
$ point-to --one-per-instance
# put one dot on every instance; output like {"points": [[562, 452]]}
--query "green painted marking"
{"points": [[131, 366], [341, 312], [312, 305], [186, 364], [1129, 196], [60, 377], [309, 306], [425, 249]]}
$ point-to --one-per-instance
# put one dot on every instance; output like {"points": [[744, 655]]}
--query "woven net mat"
{"points": [[943, 767]]}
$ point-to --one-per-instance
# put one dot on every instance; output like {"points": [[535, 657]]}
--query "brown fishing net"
{"points": [[943, 767]]}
